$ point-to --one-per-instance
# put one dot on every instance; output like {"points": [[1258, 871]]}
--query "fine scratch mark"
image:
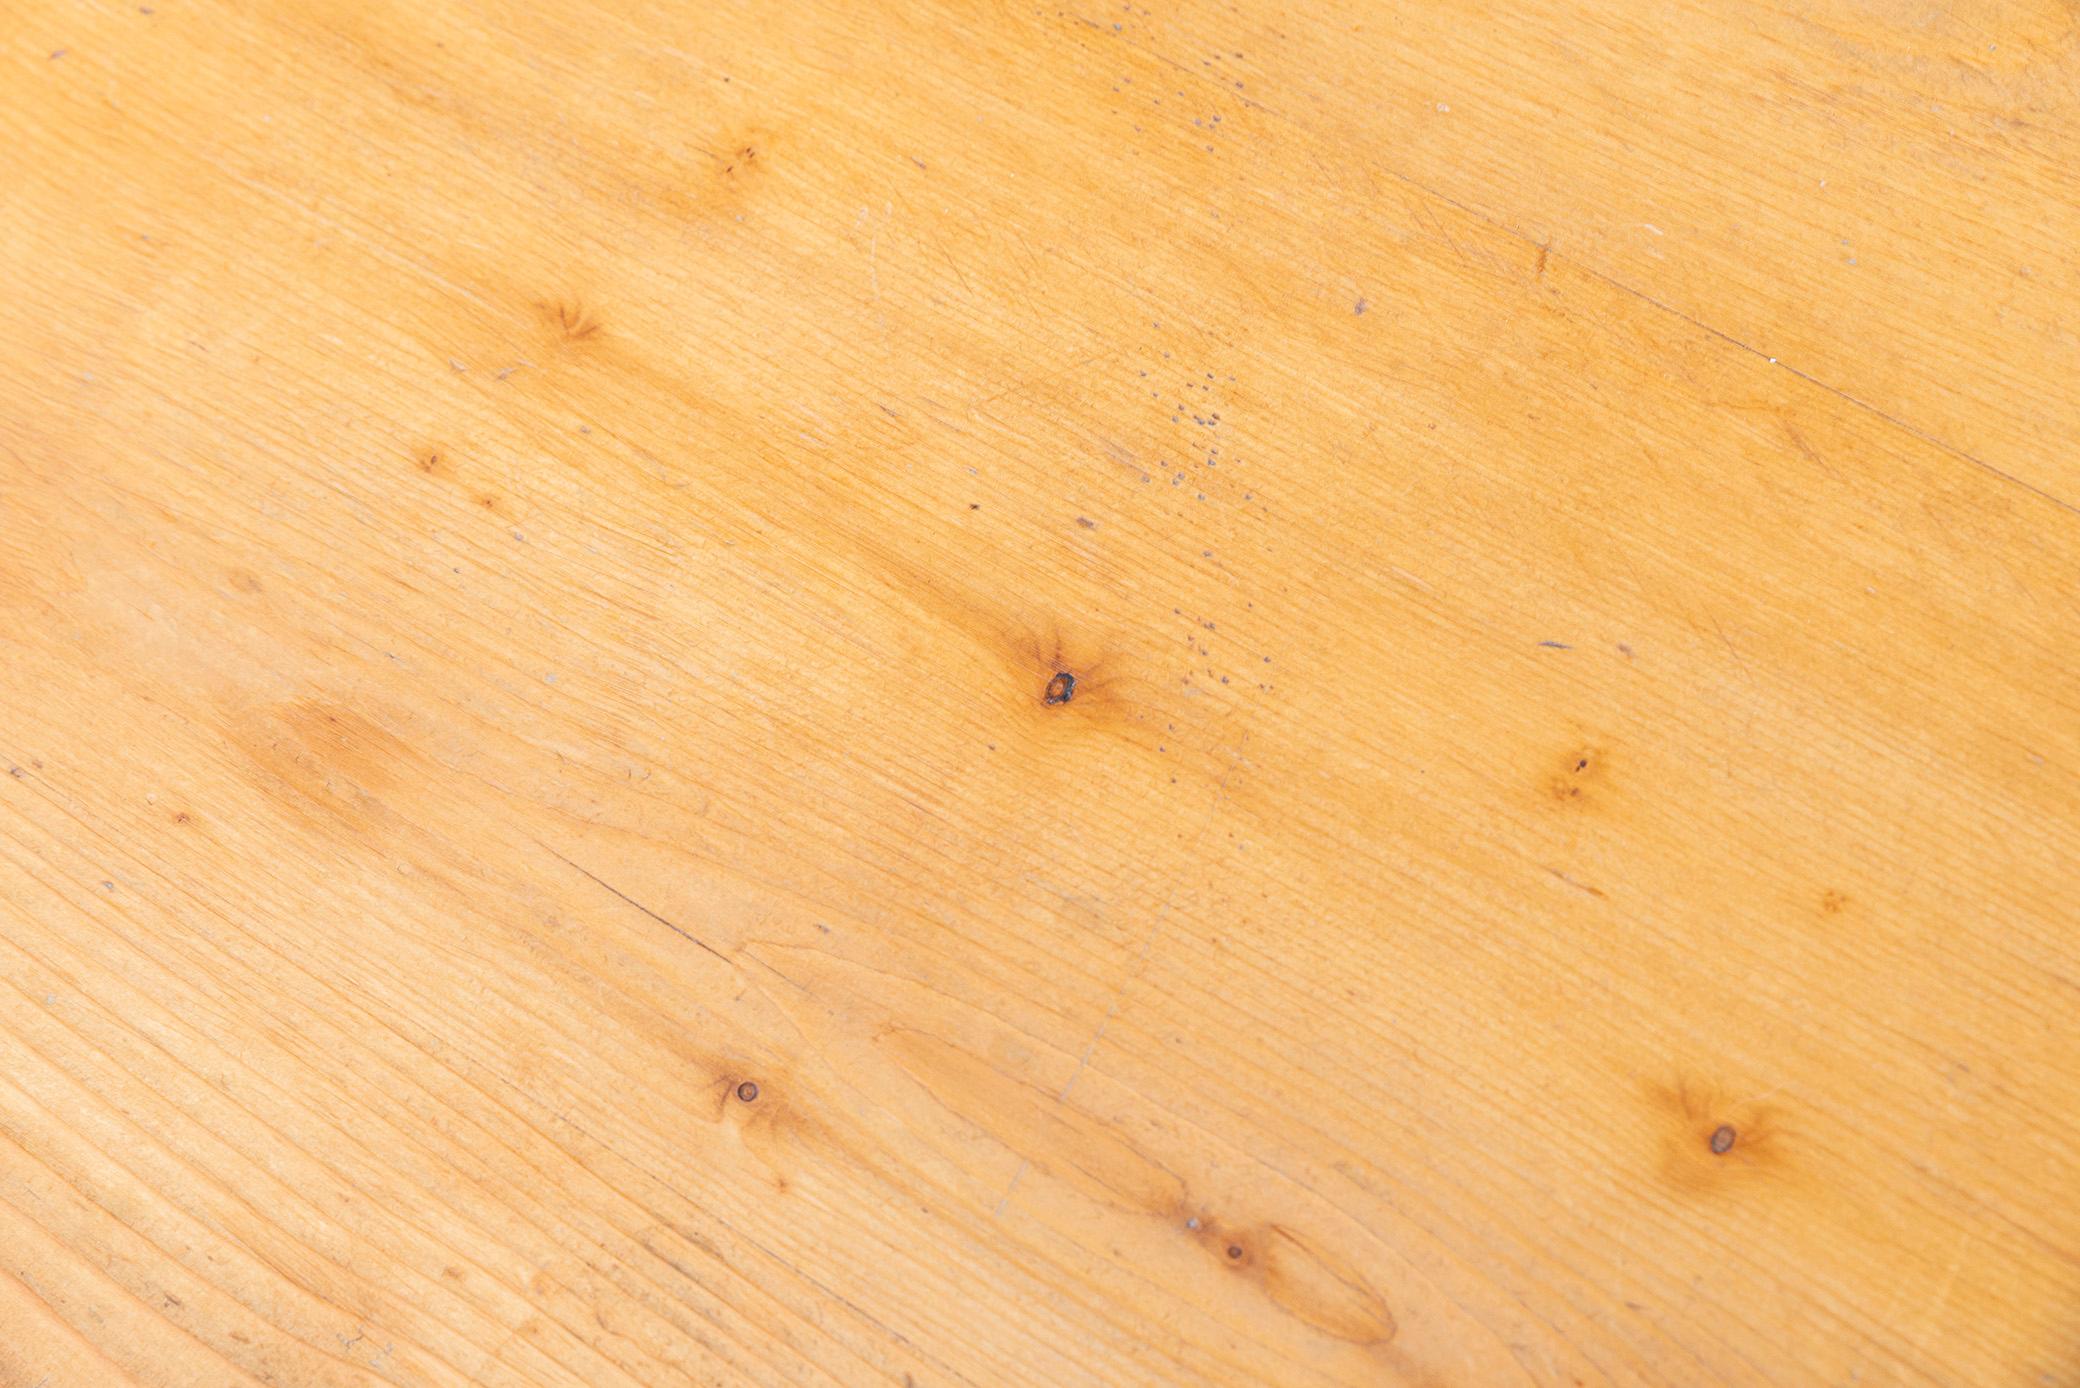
{"points": [[1016, 1177], [847, 1302], [1728, 338], [1034, 383], [958, 274], [1807, 449], [617, 892], [1148, 942], [1942, 1296], [1732, 650], [1556, 645]]}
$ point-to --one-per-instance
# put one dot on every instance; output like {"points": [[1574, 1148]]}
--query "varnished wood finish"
{"points": [[932, 694]]}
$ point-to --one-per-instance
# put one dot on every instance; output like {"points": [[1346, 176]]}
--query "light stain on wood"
{"points": [[899, 693]]}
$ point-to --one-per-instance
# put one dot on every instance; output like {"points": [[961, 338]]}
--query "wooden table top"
{"points": [[1219, 692]]}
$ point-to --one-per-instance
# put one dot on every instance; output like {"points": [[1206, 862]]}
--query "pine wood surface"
{"points": [[908, 693]]}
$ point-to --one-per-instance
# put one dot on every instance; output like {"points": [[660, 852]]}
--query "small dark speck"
{"points": [[1234, 1250], [1722, 1139], [1625, 650], [974, 506], [1061, 689], [108, 886], [1086, 522], [1358, 307], [747, 1091], [1556, 645], [57, 53]]}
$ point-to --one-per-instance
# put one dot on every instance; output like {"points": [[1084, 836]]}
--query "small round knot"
{"points": [[747, 1091]]}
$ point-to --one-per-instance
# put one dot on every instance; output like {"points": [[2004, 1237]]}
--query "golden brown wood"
{"points": [[1227, 693]]}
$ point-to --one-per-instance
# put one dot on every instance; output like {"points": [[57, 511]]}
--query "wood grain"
{"points": [[546, 839]]}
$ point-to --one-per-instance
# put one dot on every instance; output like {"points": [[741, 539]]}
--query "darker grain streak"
{"points": [[612, 890], [1577, 885], [571, 320]]}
